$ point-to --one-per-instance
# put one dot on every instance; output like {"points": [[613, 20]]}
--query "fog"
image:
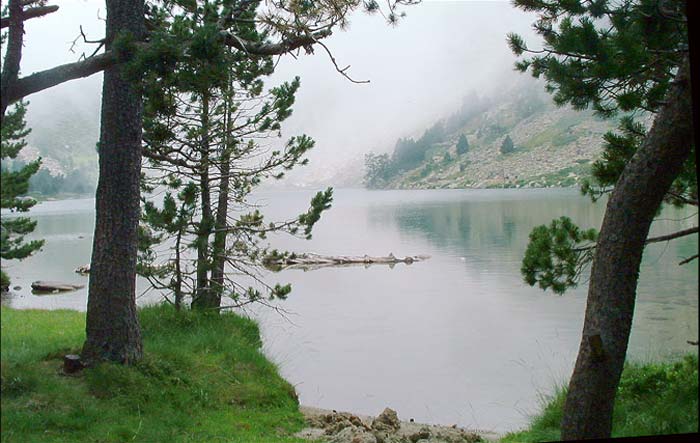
{"points": [[419, 71]]}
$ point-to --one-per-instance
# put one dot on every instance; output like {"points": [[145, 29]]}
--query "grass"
{"points": [[560, 133], [203, 379], [652, 399], [561, 177]]}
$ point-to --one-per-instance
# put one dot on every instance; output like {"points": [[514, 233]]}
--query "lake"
{"points": [[458, 338]]}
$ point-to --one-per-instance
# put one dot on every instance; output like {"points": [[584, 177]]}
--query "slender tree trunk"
{"points": [[611, 296], [112, 326], [202, 297], [221, 232], [219, 246], [178, 272]]}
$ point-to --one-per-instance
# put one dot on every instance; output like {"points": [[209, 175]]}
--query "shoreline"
{"points": [[348, 427]]}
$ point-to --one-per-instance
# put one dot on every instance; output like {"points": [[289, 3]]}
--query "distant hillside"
{"points": [[64, 133], [552, 146]]}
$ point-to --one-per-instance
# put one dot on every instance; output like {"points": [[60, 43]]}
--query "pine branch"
{"points": [[60, 74], [683, 233], [661, 238], [30, 13], [281, 47], [689, 259]]}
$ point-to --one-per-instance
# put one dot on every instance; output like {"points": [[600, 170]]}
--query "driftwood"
{"points": [[83, 270], [311, 261], [54, 286]]}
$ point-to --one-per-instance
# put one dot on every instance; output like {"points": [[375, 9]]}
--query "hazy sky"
{"points": [[419, 71]]}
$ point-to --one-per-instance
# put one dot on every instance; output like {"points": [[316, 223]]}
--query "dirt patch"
{"points": [[345, 427]]}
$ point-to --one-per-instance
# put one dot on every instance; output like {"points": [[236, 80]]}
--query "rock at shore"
{"points": [[344, 427], [387, 421], [54, 286]]}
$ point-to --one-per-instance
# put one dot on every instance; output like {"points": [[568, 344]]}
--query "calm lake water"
{"points": [[458, 338]]}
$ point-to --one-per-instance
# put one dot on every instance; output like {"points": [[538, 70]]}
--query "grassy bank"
{"points": [[203, 379], [653, 399]]}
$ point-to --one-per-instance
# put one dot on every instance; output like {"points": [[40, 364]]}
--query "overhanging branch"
{"points": [[661, 238], [283, 46], [689, 259], [683, 233], [30, 13], [60, 74]]}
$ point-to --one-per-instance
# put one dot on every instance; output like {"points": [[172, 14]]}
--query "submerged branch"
{"points": [[312, 261]]}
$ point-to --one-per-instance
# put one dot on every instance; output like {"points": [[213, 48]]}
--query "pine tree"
{"points": [[462, 145], [203, 135], [629, 56], [13, 186], [112, 326], [507, 146]]}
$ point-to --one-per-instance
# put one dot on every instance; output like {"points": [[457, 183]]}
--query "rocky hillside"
{"points": [[552, 146]]}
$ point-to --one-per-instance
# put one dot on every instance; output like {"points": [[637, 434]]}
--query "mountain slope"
{"points": [[553, 146]]}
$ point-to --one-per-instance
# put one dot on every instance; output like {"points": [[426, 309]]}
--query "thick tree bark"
{"points": [[112, 326], [611, 296], [13, 56]]}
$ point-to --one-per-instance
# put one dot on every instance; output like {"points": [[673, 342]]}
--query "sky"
{"points": [[419, 71]]}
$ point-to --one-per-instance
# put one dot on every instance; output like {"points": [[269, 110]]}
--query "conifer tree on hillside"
{"points": [[462, 145], [507, 145], [13, 186]]}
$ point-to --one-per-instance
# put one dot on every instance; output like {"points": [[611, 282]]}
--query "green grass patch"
{"points": [[560, 178], [540, 139], [560, 133], [652, 399], [203, 379]]}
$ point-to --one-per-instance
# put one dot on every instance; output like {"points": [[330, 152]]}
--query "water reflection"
{"points": [[455, 339]]}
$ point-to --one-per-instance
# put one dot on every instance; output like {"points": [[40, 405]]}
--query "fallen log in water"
{"points": [[54, 286], [312, 261]]}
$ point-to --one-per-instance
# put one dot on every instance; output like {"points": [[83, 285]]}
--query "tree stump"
{"points": [[72, 364]]}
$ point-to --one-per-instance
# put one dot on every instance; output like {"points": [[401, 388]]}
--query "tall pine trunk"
{"points": [[177, 289], [611, 296], [203, 298], [221, 232], [221, 227], [112, 326]]}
